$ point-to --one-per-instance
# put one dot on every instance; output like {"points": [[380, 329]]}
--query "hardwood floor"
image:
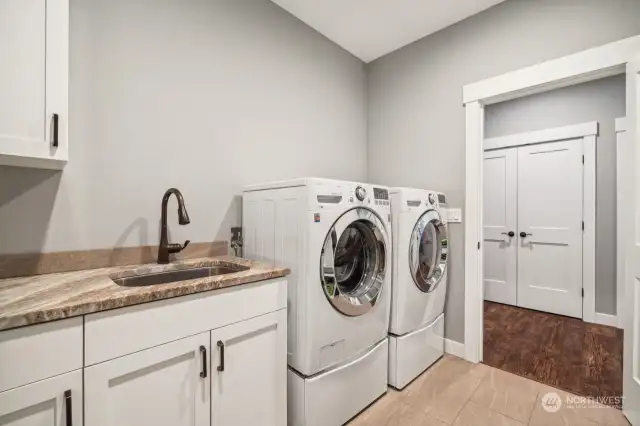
{"points": [[567, 353]]}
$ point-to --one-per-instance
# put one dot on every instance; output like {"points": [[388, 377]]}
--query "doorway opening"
{"points": [[608, 60], [549, 237]]}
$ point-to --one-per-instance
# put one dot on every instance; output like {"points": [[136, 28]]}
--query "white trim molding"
{"points": [[591, 64], [624, 213], [589, 234], [621, 124], [584, 66], [473, 285], [454, 348], [606, 319], [540, 136]]}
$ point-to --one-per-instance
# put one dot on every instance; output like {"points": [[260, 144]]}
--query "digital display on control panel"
{"points": [[380, 194], [441, 199]]}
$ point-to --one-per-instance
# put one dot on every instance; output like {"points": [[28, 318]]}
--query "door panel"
{"points": [[500, 217], [22, 75], [249, 372], [631, 311], [161, 386], [44, 403], [550, 192]]}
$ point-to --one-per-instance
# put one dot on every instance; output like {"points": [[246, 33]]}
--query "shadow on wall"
{"points": [[138, 231], [36, 191], [141, 227]]}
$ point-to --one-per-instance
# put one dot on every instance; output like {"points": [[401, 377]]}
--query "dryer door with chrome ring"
{"points": [[353, 262], [428, 249]]}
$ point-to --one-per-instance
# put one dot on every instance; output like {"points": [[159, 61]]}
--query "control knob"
{"points": [[432, 199], [360, 193]]}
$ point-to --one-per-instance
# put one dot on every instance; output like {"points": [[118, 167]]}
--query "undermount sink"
{"points": [[179, 275]]}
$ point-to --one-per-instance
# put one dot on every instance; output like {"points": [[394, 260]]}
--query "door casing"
{"points": [[619, 57]]}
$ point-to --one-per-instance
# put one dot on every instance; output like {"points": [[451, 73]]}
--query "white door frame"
{"points": [[587, 132], [624, 215], [588, 65]]}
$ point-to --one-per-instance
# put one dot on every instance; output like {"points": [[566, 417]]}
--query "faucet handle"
{"points": [[177, 248]]}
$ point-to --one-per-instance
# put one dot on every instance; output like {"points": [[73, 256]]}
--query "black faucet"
{"points": [[183, 219]]}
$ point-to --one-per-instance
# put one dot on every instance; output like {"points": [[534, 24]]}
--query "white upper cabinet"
{"points": [[34, 83]]}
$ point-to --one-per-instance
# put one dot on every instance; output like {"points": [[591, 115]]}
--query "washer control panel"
{"points": [[381, 196]]}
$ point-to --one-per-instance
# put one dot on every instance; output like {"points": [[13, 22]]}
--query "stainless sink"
{"points": [[179, 275]]}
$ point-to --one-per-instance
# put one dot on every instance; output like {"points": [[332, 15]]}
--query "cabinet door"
{"points": [[33, 82], [249, 374], [500, 225], [168, 385], [52, 402], [550, 178]]}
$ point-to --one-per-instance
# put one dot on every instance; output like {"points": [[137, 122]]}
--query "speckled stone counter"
{"points": [[42, 298]]}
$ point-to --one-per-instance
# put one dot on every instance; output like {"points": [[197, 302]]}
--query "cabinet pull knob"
{"points": [[221, 346], [68, 407], [203, 355], [54, 130], [510, 233], [524, 234]]}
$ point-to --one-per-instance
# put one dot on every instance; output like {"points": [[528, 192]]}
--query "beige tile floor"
{"points": [[458, 393]]}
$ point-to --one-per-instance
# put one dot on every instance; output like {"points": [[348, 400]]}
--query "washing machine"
{"points": [[419, 283], [335, 236]]}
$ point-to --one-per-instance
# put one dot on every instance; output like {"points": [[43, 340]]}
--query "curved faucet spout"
{"points": [[165, 248]]}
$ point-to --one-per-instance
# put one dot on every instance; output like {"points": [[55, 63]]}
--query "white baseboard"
{"points": [[454, 348], [604, 319]]}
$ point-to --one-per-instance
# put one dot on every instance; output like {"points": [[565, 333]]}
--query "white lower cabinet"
{"points": [[217, 358], [56, 401], [167, 385], [248, 380]]}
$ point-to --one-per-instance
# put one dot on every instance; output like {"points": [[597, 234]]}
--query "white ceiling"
{"points": [[372, 28]]}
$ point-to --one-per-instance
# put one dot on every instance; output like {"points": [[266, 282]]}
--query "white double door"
{"points": [[533, 226]]}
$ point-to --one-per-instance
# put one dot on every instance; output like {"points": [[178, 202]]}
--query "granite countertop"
{"points": [[42, 298]]}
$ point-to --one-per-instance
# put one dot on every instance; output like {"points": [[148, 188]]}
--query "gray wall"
{"points": [[602, 101], [204, 96], [416, 118]]}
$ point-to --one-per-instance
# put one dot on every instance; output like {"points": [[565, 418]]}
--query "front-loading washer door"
{"points": [[353, 262], [428, 250]]}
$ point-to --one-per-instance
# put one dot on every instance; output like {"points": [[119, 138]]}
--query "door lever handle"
{"points": [[510, 233], [524, 234]]}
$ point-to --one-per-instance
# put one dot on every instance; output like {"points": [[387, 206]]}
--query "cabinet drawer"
{"points": [[37, 352], [119, 332]]}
